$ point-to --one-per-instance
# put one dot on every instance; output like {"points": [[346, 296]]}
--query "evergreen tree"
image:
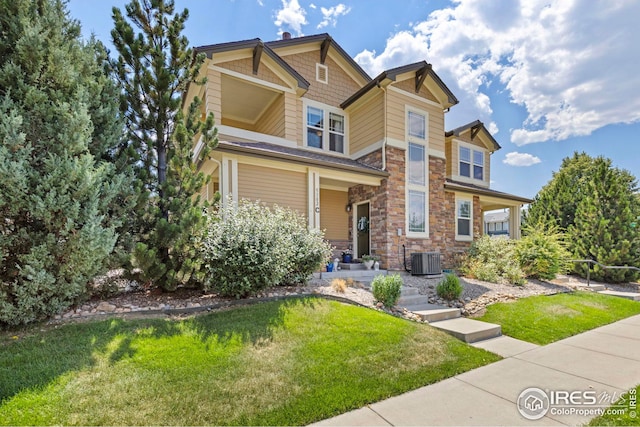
{"points": [[56, 123], [556, 203], [155, 67], [602, 228], [597, 205]]}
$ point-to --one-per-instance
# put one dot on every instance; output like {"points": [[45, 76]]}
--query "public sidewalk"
{"points": [[604, 362]]}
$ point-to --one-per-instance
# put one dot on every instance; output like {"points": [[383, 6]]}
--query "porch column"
{"points": [[313, 195], [229, 179], [514, 222]]}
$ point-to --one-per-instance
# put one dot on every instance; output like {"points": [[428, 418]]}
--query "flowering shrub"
{"points": [[542, 251], [493, 260], [250, 247]]}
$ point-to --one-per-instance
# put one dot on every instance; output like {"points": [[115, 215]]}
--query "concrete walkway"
{"points": [[603, 363]]}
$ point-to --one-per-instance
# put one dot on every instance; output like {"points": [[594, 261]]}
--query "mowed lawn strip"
{"points": [[627, 404], [544, 319], [280, 363]]}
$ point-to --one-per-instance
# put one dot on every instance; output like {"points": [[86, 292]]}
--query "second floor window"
{"points": [[471, 163], [325, 129]]}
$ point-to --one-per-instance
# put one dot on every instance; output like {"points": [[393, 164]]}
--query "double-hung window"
{"points": [[326, 129], [464, 219], [417, 210], [471, 163]]}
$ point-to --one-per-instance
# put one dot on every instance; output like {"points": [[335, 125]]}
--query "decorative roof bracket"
{"points": [[324, 49], [474, 131], [257, 54], [421, 75]]}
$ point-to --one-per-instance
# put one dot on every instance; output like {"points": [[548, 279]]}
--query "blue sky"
{"points": [[547, 77]]}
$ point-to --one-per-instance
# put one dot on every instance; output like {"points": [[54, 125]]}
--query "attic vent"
{"points": [[322, 73]]}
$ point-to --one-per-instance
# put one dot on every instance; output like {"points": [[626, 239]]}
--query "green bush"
{"points": [[250, 247], [542, 251], [57, 193], [386, 289], [449, 288], [493, 259]]}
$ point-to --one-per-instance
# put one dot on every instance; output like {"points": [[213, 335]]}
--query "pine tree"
{"points": [[597, 205], [155, 67], [56, 123], [602, 228]]}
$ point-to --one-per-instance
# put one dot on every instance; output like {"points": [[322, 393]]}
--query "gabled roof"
{"points": [[326, 41], [476, 189], [422, 70], [259, 48], [298, 155], [475, 128]]}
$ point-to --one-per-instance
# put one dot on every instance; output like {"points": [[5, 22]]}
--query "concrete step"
{"points": [[408, 290], [433, 312], [469, 330], [634, 296], [411, 300], [359, 275], [592, 287], [352, 266]]}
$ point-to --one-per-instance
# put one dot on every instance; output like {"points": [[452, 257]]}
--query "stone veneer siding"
{"points": [[387, 213]]}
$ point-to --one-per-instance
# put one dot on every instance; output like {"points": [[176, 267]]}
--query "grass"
{"points": [[628, 402], [289, 362], [544, 319]]}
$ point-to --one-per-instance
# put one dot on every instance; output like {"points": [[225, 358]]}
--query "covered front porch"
{"points": [[314, 184], [492, 200]]}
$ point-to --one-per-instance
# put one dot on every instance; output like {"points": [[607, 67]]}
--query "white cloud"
{"points": [[521, 159], [291, 15], [313, 6], [568, 63], [330, 16]]}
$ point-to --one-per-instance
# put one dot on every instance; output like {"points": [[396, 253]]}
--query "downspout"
{"points": [[384, 130]]}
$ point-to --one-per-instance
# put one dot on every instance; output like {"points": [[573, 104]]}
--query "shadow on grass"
{"points": [[38, 360]]}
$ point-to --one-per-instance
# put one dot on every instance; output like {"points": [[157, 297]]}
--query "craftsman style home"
{"points": [[366, 159]]}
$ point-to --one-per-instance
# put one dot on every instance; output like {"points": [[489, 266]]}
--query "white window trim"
{"points": [[459, 237], [471, 179], [408, 186], [325, 133]]}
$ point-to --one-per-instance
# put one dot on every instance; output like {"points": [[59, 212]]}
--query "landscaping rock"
{"points": [[106, 307]]}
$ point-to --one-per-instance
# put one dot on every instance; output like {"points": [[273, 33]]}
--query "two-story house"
{"points": [[302, 125]]}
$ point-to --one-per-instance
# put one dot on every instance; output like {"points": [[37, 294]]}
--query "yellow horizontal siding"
{"points": [[396, 119], [366, 124], [333, 217], [272, 120], [273, 186]]}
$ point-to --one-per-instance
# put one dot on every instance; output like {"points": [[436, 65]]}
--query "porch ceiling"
{"points": [[243, 101]]}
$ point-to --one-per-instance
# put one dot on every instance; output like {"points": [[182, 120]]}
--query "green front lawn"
{"points": [[628, 403], [544, 319], [287, 362]]}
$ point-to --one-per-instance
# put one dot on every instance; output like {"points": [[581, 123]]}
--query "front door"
{"points": [[362, 230]]}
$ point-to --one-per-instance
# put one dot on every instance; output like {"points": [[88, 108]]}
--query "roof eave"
{"points": [[256, 152], [452, 185]]}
